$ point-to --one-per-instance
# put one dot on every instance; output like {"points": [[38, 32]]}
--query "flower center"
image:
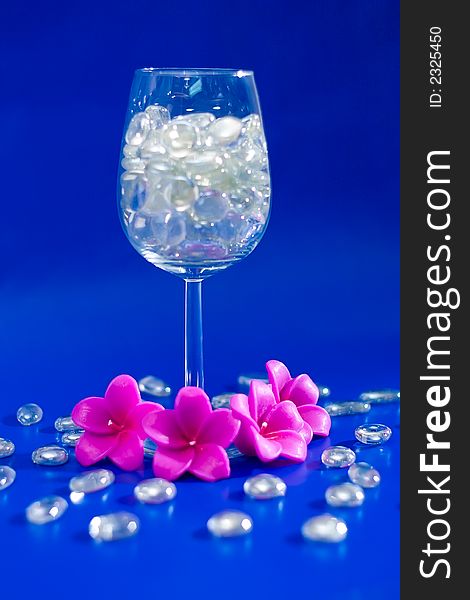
{"points": [[264, 424], [114, 425], [192, 443]]}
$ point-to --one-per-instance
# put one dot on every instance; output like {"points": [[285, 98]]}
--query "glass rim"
{"points": [[194, 72]]}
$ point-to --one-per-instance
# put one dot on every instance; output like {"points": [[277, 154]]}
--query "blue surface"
{"points": [[78, 305]]}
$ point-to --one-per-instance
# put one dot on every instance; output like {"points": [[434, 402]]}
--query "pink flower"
{"points": [[304, 394], [113, 425], [268, 429], [192, 437]]}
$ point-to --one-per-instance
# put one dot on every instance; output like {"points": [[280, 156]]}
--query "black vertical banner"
{"points": [[435, 254]]}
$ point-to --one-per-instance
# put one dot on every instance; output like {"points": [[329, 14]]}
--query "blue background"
{"points": [[78, 305]]}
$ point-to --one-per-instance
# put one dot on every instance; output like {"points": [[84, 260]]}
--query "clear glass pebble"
{"points": [[50, 456], [233, 452], [65, 424], [7, 447], [7, 477], [222, 400], [114, 526], [264, 487], [46, 510], [200, 120], [364, 475], [154, 386], [29, 414], [373, 433], [230, 523], [138, 129], [345, 494], [325, 528], [179, 139], [210, 207], [341, 409], [180, 193], [155, 491], [380, 396], [338, 457], [158, 115], [70, 438], [92, 481]]}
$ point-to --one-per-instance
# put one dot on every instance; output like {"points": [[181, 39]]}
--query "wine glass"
{"points": [[194, 187]]}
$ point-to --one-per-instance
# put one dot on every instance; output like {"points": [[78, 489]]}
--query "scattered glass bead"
{"points": [[92, 481], [338, 457], [114, 526], [29, 414], [264, 487], [155, 491], [233, 452], [325, 528], [50, 456], [364, 475], [230, 523], [222, 400], [7, 477], [149, 448], [325, 391], [46, 510], [65, 424], [244, 381], [154, 387], [345, 494], [7, 447], [381, 396], [373, 433], [341, 409], [70, 438]]}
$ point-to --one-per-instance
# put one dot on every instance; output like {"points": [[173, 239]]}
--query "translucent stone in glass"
{"points": [[325, 528], [29, 414], [46, 510], [373, 433], [364, 475], [230, 523], [338, 457], [114, 526]]}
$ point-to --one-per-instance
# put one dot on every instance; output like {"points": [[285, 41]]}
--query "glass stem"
{"points": [[193, 359]]}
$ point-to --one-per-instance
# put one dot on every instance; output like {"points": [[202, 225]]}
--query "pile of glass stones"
{"points": [[193, 185], [228, 523]]}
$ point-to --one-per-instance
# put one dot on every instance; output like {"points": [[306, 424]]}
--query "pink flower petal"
{"points": [[261, 400], [135, 418], [128, 453], [317, 417], [278, 375], [283, 416], [252, 443], [163, 428], [300, 390], [306, 432], [210, 462], [92, 448], [292, 444], [121, 397], [171, 463], [92, 414], [220, 428], [241, 411], [192, 407]]}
